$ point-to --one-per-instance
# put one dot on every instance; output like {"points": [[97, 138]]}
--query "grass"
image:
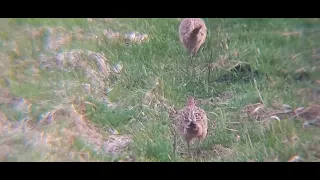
{"points": [[137, 108]]}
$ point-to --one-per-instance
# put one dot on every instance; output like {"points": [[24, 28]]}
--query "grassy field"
{"points": [[65, 97]]}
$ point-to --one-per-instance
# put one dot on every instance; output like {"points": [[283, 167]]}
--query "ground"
{"points": [[100, 89]]}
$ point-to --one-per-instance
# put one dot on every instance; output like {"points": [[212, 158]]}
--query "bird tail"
{"points": [[195, 31]]}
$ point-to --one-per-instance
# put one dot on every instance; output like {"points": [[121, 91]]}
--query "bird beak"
{"points": [[192, 123]]}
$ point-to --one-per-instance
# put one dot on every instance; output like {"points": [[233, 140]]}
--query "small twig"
{"points": [[256, 109], [246, 53], [214, 114], [209, 68], [93, 105], [297, 114], [234, 122], [174, 144], [234, 130], [295, 56], [275, 117], [256, 86], [209, 72]]}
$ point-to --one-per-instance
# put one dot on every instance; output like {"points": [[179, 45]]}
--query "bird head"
{"points": [[190, 101], [192, 124], [190, 120]]}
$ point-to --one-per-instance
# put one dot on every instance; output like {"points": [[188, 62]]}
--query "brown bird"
{"points": [[191, 122], [192, 34]]}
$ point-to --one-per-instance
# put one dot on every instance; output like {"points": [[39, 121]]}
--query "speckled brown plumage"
{"points": [[192, 34], [191, 122]]}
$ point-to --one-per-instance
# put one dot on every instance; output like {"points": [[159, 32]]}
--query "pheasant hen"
{"points": [[192, 34], [190, 122]]}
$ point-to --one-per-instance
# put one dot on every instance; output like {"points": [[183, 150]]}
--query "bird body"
{"points": [[192, 34], [191, 122]]}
